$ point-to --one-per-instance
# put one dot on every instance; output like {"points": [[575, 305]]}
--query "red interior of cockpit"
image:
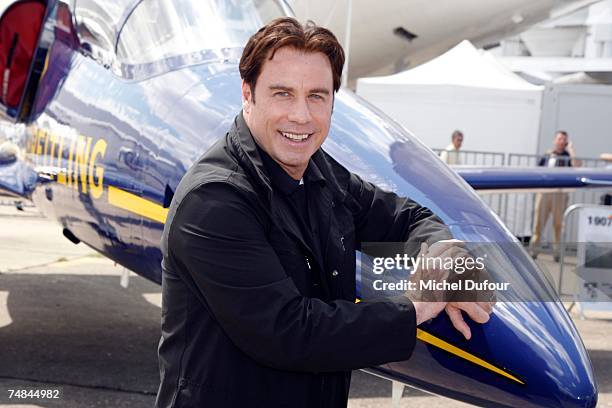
{"points": [[19, 29]]}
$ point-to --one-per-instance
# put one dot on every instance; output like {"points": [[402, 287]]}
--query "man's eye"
{"points": [[282, 93], [317, 97]]}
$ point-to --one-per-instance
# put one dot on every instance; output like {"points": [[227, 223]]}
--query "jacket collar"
{"points": [[323, 169], [244, 147]]}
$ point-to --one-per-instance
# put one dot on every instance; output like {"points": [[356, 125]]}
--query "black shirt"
{"points": [[562, 159], [295, 192]]}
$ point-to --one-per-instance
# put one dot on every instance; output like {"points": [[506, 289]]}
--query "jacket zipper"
{"points": [[308, 263]]}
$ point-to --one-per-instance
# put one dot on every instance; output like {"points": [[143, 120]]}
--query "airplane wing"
{"points": [[513, 179], [16, 179]]}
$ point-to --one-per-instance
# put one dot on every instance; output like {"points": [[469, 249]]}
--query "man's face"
{"points": [[457, 141], [291, 115], [560, 142]]}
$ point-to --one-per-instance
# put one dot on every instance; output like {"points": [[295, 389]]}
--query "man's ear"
{"points": [[247, 97]]}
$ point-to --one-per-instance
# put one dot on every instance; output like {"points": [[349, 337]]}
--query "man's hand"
{"points": [[429, 304], [570, 149], [429, 308], [477, 311], [445, 249]]}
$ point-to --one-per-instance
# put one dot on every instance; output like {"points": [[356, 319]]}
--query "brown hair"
{"points": [[288, 32], [456, 133]]}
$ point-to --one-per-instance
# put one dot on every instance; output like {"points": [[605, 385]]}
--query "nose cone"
{"points": [[558, 369], [548, 354], [529, 354]]}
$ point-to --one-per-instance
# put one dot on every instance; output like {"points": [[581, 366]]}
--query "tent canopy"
{"points": [[462, 65], [462, 89]]}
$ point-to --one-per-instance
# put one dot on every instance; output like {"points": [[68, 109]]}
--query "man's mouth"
{"points": [[296, 137]]}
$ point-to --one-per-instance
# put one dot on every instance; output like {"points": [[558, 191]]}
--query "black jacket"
{"points": [[241, 325], [562, 159]]}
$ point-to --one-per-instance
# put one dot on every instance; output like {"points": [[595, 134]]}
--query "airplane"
{"points": [[120, 99], [397, 34]]}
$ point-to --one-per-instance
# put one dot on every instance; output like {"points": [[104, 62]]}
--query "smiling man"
{"points": [[258, 292], [293, 115]]}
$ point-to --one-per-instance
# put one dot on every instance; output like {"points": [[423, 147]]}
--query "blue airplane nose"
{"points": [[544, 349], [529, 354]]}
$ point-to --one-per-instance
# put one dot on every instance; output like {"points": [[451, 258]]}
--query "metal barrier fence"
{"points": [[477, 158], [517, 209], [480, 158], [533, 160], [519, 212]]}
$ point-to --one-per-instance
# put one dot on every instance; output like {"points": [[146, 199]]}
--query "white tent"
{"points": [[462, 89]]}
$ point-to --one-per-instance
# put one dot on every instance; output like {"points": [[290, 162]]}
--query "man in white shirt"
{"points": [[450, 155]]}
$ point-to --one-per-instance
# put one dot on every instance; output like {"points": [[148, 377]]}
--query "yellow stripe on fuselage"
{"points": [[446, 346], [138, 205], [437, 342]]}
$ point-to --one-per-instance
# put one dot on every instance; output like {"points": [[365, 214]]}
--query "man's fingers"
{"points": [[476, 313], [479, 312], [486, 306], [454, 252], [441, 266], [439, 247], [457, 319]]}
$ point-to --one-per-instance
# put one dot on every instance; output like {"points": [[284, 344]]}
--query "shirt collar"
{"points": [[279, 177]]}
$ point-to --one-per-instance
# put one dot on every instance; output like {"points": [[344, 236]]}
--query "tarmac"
{"points": [[67, 324]]}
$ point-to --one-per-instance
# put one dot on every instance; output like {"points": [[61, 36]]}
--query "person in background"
{"points": [[450, 155], [562, 155]]}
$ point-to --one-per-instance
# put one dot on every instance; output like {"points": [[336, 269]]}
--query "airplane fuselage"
{"points": [[108, 144], [381, 35]]}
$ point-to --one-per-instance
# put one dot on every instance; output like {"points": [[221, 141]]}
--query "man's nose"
{"points": [[300, 112]]}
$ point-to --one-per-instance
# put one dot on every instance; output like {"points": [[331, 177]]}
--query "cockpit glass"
{"points": [[161, 29], [397, 161]]}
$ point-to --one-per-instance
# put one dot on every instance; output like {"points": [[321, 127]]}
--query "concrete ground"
{"points": [[65, 322]]}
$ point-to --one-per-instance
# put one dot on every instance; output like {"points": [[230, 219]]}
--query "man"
{"points": [[450, 155], [562, 155], [258, 292]]}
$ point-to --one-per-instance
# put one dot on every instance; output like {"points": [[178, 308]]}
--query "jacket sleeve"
{"points": [[382, 216], [220, 248], [542, 161]]}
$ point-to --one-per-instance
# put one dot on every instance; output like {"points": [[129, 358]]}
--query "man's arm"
{"points": [[573, 161], [382, 216], [221, 251], [385, 217], [542, 161]]}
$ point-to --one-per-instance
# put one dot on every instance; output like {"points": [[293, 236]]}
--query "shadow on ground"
{"points": [[85, 333]]}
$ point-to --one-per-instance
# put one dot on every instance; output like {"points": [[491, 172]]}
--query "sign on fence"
{"points": [[594, 263]]}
